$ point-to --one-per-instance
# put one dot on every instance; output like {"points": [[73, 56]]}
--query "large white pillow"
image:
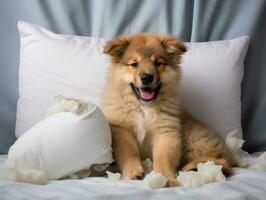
{"points": [[62, 144], [74, 66]]}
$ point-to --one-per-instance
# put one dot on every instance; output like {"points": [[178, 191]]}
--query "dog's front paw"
{"points": [[133, 171], [172, 182]]}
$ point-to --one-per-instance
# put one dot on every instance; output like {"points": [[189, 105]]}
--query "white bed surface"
{"points": [[245, 184]]}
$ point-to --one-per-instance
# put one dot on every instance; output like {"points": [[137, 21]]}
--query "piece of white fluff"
{"points": [[64, 104], [241, 157], [113, 177], [235, 145], [260, 163], [190, 179], [207, 172], [155, 180], [211, 172]]}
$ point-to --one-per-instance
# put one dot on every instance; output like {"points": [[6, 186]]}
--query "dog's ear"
{"points": [[173, 45], [117, 47]]}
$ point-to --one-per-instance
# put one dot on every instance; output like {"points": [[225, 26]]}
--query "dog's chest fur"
{"points": [[142, 121]]}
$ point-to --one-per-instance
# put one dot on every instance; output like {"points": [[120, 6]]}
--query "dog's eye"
{"points": [[157, 63], [134, 64]]}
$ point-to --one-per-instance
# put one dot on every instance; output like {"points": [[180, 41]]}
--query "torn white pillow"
{"points": [[63, 144]]}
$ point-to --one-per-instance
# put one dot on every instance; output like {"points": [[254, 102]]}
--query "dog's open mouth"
{"points": [[146, 93]]}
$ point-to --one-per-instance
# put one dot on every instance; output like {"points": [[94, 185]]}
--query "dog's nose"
{"points": [[146, 78]]}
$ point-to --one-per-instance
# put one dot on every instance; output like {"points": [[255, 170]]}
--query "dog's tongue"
{"points": [[147, 95]]}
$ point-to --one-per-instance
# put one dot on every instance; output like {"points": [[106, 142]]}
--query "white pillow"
{"points": [[62, 144], [74, 66], [211, 84]]}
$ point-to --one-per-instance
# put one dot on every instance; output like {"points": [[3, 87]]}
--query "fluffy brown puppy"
{"points": [[141, 103]]}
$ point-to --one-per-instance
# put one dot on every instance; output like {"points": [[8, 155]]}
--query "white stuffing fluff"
{"points": [[211, 172], [207, 172], [64, 104], [65, 144], [190, 179], [113, 177], [260, 163], [155, 180], [235, 145]]}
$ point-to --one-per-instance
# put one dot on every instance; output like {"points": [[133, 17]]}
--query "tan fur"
{"points": [[159, 129]]}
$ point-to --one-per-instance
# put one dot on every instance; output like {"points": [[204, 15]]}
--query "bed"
{"points": [[194, 21], [245, 184]]}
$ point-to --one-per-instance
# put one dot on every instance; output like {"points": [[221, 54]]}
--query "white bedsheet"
{"points": [[245, 184]]}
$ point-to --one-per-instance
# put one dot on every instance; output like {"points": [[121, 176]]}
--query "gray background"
{"points": [[198, 20]]}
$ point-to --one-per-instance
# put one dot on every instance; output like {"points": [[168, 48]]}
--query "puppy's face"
{"points": [[147, 63]]}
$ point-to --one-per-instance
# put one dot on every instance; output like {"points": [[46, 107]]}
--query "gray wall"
{"points": [[198, 20]]}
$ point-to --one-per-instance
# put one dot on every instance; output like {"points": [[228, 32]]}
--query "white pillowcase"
{"points": [[61, 145], [211, 84], [74, 66]]}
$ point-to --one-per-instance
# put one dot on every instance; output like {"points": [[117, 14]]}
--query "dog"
{"points": [[141, 103]]}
